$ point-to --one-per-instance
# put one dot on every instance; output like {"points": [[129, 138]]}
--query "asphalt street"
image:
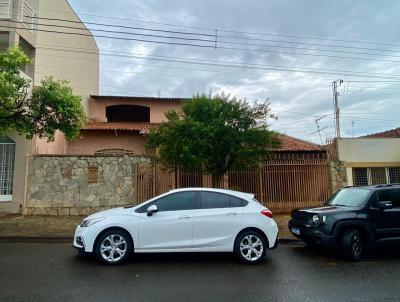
{"points": [[54, 272]]}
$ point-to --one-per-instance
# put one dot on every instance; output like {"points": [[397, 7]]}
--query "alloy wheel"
{"points": [[113, 248], [251, 248], [356, 246]]}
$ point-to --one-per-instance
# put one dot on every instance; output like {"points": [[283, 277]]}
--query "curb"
{"points": [[41, 239]]}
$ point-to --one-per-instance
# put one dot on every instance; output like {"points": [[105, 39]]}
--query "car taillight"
{"points": [[267, 213]]}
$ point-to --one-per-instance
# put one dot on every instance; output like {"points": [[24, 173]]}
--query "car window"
{"points": [[212, 200], [237, 202], [349, 197], [390, 195], [176, 202]]}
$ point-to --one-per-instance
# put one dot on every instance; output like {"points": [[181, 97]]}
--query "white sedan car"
{"points": [[182, 220]]}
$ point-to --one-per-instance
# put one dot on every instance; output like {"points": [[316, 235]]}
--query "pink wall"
{"points": [[91, 141], [41, 146], [97, 108]]}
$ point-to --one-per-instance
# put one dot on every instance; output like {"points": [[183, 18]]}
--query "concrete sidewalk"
{"points": [[14, 227]]}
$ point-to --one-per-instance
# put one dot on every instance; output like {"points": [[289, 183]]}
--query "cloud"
{"points": [[297, 97]]}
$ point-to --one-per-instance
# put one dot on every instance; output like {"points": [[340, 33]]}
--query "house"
{"points": [[28, 24], [119, 124], [371, 159]]}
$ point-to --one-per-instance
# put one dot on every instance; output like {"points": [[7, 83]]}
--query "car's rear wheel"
{"points": [[114, 247], [352, 245], [250, 247]]}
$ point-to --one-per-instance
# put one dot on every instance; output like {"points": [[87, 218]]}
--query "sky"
{"points": [[286, 51]]}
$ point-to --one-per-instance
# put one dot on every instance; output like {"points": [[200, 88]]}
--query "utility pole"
{"points": [[352, 128], [335, 85]]}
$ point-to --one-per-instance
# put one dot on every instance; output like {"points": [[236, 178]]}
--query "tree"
{"points": [[49, 107], [214, 133]]}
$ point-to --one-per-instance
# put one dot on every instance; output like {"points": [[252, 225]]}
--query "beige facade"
{"points": [[370, 160], [70, 57]]}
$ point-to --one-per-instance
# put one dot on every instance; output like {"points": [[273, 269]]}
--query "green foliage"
{"points": [[49, 107], [215, 133]]}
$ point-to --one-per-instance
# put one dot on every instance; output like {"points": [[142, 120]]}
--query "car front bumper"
{"points": [[83, 239], [311, 235]]}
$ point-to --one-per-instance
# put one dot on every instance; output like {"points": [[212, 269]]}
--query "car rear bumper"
{"points": [[311, 235]]}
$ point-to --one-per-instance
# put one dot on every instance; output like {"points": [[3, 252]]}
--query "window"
{"points": [[238, 202], [128, 113], [375, 176], [7, 160], [360, 177], [5, 9], [213, 200], [390, 195], [378, 176], [349, 197], [176, 202], [394, 175]]}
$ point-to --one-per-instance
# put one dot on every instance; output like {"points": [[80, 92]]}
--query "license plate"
{"points": [[295, 231]]}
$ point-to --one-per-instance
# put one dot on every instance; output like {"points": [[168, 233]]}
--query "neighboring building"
{"points": [[120, 124], [52, 54], [372, 159]]}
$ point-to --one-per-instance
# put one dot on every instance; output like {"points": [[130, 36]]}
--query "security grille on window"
{"points": [[376, 176], [7, 160]]}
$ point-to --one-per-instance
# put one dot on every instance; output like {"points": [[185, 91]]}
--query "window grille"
{"points": [[7, 161], [28, 16], [5, 9], [394, 175], [376, 176]]}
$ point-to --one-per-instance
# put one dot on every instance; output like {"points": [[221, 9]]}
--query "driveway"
{"points": [[54, 272]]}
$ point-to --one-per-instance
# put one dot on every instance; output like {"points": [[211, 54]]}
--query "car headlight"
{"points": [[315, 219], [88, 222]]}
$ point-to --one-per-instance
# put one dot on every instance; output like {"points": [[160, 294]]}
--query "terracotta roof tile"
{"points": [[289, 143], [393, 133], [142, 128], [135, 98]]}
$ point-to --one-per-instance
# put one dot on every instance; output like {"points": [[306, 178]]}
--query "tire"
{"points": [[250, 247], [114, 247], [352, 246]]}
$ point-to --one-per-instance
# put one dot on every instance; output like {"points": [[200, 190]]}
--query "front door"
{"points": [[170, 227], [387, 222]]}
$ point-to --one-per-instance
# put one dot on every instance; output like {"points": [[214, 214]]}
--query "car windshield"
{"points": [[349, 197]]}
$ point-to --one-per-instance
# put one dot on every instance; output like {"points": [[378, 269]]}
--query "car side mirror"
{"points": [[384, 205], [151, 210]]}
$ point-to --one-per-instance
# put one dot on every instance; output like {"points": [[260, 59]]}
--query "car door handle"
{"points": [[231, 214], [184, 217]]}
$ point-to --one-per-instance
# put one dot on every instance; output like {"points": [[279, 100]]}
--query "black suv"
{"points": [[352, 220]]}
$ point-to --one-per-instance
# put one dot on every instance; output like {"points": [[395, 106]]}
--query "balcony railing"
{"points": [[5, 9], [28, 15]]}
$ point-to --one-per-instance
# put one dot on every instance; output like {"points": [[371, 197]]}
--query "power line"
{"points": [[218, 63], [227, 31], [210, 35], [193, 44]]}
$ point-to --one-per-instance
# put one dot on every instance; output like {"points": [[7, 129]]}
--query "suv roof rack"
{"points": [[383, 185]]}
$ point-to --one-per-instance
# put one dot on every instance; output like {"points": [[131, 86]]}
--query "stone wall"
{"points": [[79, 185], [338, 175]]}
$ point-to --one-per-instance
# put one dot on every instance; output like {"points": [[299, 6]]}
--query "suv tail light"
{"points": [[267, 213]]}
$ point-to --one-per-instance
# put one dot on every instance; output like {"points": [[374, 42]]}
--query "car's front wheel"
{"points": [[114, 247], [352, 245], [250, 247]]}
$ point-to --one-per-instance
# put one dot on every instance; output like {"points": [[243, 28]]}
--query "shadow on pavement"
{"points": [[375, 255]]}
